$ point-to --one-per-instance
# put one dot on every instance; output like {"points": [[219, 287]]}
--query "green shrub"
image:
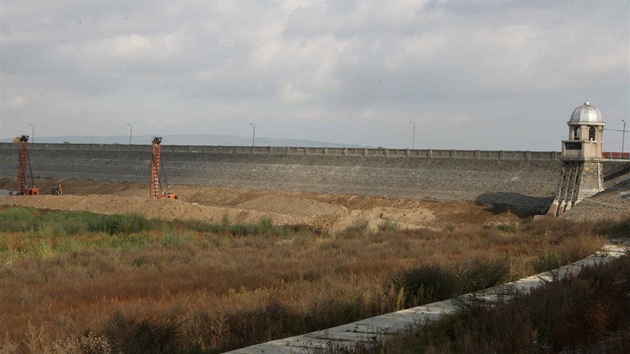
{"points": [[202, 226], [115, 224], [3, 246], [225, 220], [266, 224], [507, 228], [170, 240], [482, 273], [75, 227], [432, 282], [37, 248], [124, 241], [246, 229], [67, 246], [128, 334], [424, 284], [18, 219], [547, 262], [389, 226], [358, 228]]}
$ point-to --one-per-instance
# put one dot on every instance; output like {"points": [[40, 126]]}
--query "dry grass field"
{"points": [[222, 268], [588, 313]]}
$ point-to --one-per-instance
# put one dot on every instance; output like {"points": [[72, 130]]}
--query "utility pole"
{"points": [[253, 134], [623, 137], [130, 132], [413, 140]]}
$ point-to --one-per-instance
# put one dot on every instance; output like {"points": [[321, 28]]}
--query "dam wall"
{"points": [[525, 179]]}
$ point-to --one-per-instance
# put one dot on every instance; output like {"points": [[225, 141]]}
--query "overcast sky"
{"points": [[471, 74]]}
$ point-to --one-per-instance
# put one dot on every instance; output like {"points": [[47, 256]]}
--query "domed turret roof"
{"points": [[586, 113]]}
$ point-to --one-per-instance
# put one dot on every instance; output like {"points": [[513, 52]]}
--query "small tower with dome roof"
{"points": [[581, 175], [586, 129]]}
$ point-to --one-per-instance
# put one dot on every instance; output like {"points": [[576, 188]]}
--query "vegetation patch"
{"points": [[586, 313], [434, 282], [128, 284]]}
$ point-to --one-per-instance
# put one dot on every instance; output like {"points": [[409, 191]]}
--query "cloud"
{"points": [[16, 102], [313, 68]]}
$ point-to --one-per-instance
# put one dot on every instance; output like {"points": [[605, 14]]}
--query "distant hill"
{"points": [[208, 140]]}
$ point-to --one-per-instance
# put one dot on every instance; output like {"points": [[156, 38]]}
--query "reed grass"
{"points": [[589, 313], [134, 285]]}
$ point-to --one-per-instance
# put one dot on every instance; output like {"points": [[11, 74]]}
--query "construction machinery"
{"points": [[56, 190], [23, 163], [156, 185]]}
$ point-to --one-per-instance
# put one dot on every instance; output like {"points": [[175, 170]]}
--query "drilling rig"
{"points": [[23, 162], [156, 185]]}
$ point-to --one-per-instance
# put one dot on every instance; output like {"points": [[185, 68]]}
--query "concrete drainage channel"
{"points": [[346, 337]]}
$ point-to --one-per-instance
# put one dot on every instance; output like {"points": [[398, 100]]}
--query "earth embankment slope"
{"points": [[332, 212]]}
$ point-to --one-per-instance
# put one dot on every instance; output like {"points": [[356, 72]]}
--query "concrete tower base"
{"points": [[578, 180]]}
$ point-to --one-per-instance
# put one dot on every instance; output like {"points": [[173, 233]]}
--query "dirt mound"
{"points": [[330, 211]]}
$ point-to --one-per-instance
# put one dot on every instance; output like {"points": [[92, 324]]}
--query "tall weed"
{"points": [[129, 334], [434, 282], [237, 284], [588, 313]]}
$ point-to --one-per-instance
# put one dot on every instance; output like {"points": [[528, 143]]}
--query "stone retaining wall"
{"points": [[518, 178]]}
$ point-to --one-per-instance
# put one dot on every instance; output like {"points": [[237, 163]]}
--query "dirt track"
{"points": [[329, 211]]}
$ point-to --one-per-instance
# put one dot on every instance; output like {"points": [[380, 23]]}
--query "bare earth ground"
{"points": [[333, 212]]}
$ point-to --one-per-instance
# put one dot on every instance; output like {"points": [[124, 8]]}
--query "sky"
{"points": [[461, 74]]}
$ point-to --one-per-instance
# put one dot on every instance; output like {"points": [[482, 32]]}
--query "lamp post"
{"points": [[413, 140], [32, 133], [623, 137], [253, 134], [130, 132]]}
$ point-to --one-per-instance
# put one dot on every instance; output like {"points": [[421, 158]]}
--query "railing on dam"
{"points": [[321, 151], [614, 155]]}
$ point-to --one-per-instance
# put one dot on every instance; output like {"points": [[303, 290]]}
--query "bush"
{"points": [[548, 262], [507, 228], [125, 241], [482, 273], [128, 334], [17, 219], [115, 224], [430, 283], [170, 240], [201, 226], [266, 224], [225, 220], [425, 284], [588, 313], [389, 226], [245, 229], [359, 228]]}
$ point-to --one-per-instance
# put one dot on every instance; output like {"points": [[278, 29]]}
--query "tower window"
{"points": [[576, 133], [591, 134], [573, 146]]}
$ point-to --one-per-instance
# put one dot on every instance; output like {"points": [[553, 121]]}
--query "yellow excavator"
{"points": [[56, 190]]}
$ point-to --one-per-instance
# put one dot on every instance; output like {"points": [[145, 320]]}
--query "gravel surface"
{"points": [[613, 203]]}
